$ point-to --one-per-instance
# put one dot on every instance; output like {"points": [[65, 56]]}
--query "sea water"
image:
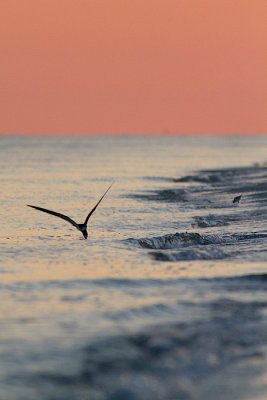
{"points": [[167, 297]]}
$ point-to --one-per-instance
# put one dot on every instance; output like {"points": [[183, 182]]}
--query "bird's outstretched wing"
{"points": [[93, 209], [57, 215]]}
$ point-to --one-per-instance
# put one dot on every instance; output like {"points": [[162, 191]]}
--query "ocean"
{"points": [[166, 300]]}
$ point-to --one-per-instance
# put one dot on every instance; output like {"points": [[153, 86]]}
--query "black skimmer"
{"points": [[81, 227]]}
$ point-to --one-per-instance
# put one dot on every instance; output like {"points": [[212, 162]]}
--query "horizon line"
{"points": [[49, 134]]}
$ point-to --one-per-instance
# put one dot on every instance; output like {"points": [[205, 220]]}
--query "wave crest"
{"points": [[178, 240]]}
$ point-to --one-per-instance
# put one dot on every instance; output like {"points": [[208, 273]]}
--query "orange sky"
{"points": [[133, 66]]}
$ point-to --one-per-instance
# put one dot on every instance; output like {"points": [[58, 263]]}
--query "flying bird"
{"points": [[237, 199], [81, 227]]}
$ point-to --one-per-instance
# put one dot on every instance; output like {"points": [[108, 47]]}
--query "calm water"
{"points": [[167, 297]]}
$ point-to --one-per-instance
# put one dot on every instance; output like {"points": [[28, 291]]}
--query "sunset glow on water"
{"points": [[167, 297]]}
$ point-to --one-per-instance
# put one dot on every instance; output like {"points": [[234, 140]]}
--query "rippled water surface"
{"points": [[167, 297]]}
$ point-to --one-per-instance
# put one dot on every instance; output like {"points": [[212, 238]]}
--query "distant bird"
{"points": [[81, 227], [237, 199]]}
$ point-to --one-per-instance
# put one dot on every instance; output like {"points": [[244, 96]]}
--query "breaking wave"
{"points": [[214, 188], [226, 176], [168, 195], [177, 240]]}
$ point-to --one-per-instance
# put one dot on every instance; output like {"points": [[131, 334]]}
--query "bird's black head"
{"points": [[83, 230]]}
